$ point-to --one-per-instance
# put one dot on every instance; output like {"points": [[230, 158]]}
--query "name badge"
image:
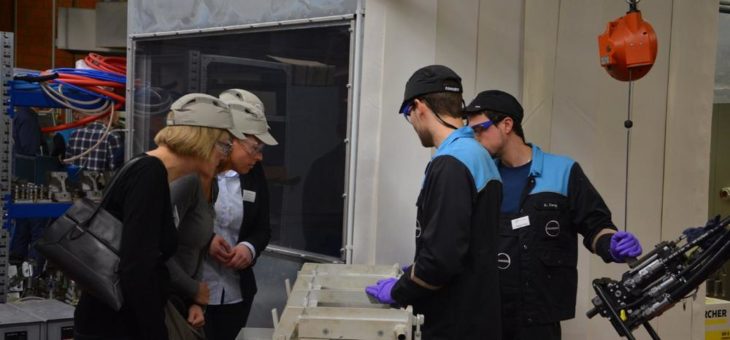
{"points": [[521, 222], [249, 196]]}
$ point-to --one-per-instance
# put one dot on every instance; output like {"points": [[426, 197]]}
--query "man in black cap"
{"points": [[453, 279], [547, 200]]}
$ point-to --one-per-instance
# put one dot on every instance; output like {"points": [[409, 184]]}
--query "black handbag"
{"points": [[84, 243]]}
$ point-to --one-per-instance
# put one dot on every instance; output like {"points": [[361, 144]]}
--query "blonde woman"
{"points": [[195, 134], [192, 206]]}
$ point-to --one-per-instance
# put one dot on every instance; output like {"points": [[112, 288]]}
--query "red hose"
{"points": [[108, 64], [116, 65], [79, 122], [91, 84], [112, 95]]}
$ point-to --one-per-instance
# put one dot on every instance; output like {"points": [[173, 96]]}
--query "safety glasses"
{"points": [[225, 147], [253, 147], [406, 110], [409, 106], [478, 128]]}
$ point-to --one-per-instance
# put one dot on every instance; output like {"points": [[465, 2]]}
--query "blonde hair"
{"points": [[193, 141]]}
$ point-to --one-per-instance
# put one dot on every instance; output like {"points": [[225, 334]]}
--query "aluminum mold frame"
{"points": [[328, 301]]}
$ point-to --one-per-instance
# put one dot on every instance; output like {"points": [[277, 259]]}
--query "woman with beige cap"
{"points": [[192, 208], [242, 229], [196, 133]]}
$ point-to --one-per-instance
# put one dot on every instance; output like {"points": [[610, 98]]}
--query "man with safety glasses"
{"points": [[547, 201], [453, 279]]}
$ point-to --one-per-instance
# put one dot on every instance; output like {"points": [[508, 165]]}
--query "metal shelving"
{"points": [[6, 144]]}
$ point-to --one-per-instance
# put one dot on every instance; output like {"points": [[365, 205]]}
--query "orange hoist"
{"points": [[628, 47], [627, 51]]}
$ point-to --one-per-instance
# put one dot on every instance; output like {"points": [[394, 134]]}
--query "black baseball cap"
{"points": [[430, 79], [496, 101]]}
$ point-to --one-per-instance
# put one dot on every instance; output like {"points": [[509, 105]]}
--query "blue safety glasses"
{"points": [[478, 128], [405, 110], [410, 105]]}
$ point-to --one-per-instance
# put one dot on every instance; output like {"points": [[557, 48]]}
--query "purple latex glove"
{"points": [[381, 290], [624, 245]]}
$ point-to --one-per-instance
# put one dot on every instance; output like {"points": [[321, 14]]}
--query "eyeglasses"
{"points": [[225, 147], [408, 107], [256, 148], [478, 128], [406, 110]]}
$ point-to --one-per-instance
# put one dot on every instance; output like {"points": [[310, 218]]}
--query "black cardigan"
{"points": [[255, 227], [141, 200]]}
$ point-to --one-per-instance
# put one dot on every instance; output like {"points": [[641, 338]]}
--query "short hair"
{"points": [[449, 103], [192, 141], [497, 117]]}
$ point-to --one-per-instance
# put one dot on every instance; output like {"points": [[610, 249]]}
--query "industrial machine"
{"points": [[328, 301], [36, 319], [39, 187], [661, 278]]}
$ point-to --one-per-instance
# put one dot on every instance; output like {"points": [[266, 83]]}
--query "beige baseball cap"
{"points": [[199, 109], [248, 114]]}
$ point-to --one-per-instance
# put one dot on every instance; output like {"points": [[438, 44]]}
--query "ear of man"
{"points": [[508, 125], [420, 107]]}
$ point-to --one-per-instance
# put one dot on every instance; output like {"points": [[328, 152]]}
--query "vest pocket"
{"points": [[550, 222], [557, 282]]}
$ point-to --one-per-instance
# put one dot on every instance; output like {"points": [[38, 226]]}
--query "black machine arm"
{"points": [[661, 278]]}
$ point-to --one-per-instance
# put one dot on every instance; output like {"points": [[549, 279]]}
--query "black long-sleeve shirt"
{"points": [[141, 201], [255, 228], [453, 281]]}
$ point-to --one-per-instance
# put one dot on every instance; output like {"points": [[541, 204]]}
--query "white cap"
{"points": [[248, 114], [199, 109], [248, 99]]}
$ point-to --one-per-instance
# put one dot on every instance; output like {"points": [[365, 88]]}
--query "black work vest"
{"points": [[538, 275], [537, 260]]}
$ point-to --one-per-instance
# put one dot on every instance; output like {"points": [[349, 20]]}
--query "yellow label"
{"points": [[713, 322], [717, 335]]}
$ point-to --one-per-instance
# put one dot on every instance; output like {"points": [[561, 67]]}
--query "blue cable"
{"points": [[78, 93], [19, 85], [96, 74], [80, 89], [75, 92]]}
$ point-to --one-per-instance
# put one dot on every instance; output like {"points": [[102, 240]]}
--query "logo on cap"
{"points": [[451, 88]]}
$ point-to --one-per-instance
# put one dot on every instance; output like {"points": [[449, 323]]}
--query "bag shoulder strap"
{"points": [[116, 177]]}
